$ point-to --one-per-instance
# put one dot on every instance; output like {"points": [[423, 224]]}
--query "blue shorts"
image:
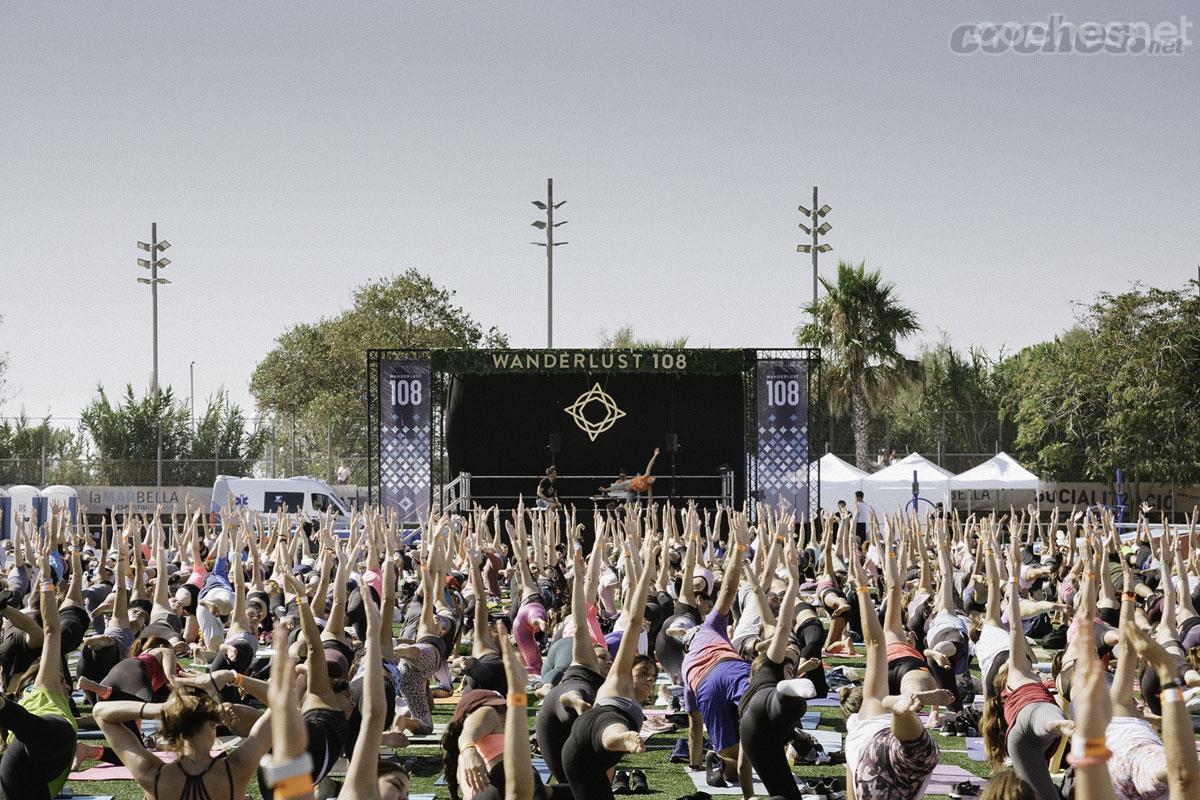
{"points": [[718, 698]]}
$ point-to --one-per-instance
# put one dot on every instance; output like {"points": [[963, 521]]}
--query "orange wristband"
{"points": [[294, 787], [518, 699]]}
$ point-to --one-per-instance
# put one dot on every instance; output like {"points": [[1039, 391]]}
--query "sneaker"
{"points": [[620, 784], [638, 783], [714, 768]]}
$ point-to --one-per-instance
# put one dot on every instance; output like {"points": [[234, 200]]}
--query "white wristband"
{"points": [[274, 773]]}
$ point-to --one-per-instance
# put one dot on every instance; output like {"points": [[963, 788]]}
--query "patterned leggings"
{"points": [[894, 770], [414, 685]]}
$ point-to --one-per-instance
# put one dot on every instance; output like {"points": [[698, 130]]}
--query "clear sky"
{"points": [[290, 151]]}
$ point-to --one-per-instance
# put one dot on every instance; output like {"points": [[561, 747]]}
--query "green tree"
{"points": [[311, 382], [27, 446], [859, 325], [954, 403], [128, 433], [1119, 390], [623, 339]]}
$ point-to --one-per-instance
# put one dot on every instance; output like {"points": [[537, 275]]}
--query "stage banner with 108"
{"points": [[405, 437], [782, 456]]}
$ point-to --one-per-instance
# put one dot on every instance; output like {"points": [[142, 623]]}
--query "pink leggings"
{"points": [[526, 637]]}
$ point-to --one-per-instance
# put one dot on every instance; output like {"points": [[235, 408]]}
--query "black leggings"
{"points": [[42, 747], [129, 681], [765, 728], [810, 638], [96, 663], [240, 664]]}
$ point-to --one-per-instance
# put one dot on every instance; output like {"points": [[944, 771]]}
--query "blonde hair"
{"points": [[992, 727], [1006, 785]]}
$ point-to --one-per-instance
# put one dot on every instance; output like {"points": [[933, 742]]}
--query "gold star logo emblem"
{"points": [[597, 427]]}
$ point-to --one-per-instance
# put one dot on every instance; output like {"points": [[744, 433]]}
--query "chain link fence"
{"points": [[57, 450]]}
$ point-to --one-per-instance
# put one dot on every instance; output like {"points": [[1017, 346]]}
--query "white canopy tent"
{"points": [[982, 485], [839, 480], [891, 487], [1001, 471]]}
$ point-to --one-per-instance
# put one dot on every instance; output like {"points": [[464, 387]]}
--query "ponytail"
{"points": [[450, 757], [991, 724]]}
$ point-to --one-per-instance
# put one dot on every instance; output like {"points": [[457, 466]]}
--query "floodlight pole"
{"points": [[549, 263], [815, 206], [815, 229], [154, 302], [549, 225]]}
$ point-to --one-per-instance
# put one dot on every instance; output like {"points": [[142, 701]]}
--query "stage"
{"points": [[456, 427]]}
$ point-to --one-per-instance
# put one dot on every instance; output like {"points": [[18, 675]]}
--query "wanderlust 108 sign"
{"points": [[710, 361]]}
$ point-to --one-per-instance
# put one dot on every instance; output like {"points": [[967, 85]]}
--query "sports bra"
{"points": [[193, 785]]}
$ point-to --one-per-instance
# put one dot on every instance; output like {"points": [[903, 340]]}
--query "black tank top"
{"points": [[193, 785]]}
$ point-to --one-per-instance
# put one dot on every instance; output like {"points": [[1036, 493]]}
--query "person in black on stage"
{"points": [[547, 493]]}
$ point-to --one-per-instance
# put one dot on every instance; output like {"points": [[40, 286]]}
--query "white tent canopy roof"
{"points": [[838, 470], [891, 487], [839, 480], [1001, 471]]}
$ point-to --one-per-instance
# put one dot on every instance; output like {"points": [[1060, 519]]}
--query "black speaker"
{"points": [[555, 445]]}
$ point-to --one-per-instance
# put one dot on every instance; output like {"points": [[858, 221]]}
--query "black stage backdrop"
{"points": [[501, 424]]}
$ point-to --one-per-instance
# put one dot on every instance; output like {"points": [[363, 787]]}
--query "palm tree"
{"points": [[858, 326]]}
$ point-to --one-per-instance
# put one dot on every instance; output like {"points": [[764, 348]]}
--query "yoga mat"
{"points": [[810, 720], [102, 772], [831, 741], [435, 738], [701, 782], [975, 749], [825, 702], [65, 795], [945, 776]]}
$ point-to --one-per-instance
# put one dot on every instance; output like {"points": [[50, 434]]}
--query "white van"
{"points": [[307, 496]]}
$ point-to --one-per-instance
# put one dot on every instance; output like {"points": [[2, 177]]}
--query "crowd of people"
{"points": [[213, 653]]}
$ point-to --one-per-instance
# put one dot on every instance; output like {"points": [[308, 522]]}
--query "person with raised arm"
{"points": [[325, 709], [603, 734], [775, 699], [576, 691], [41, 728], [103, 651], [947, 645], [530, 617], [691, 608], [643, 482], [369, 778], [715, 678], [829, 593], [1183, 767], [1020, 718], [889, 753], [907, 670]]}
